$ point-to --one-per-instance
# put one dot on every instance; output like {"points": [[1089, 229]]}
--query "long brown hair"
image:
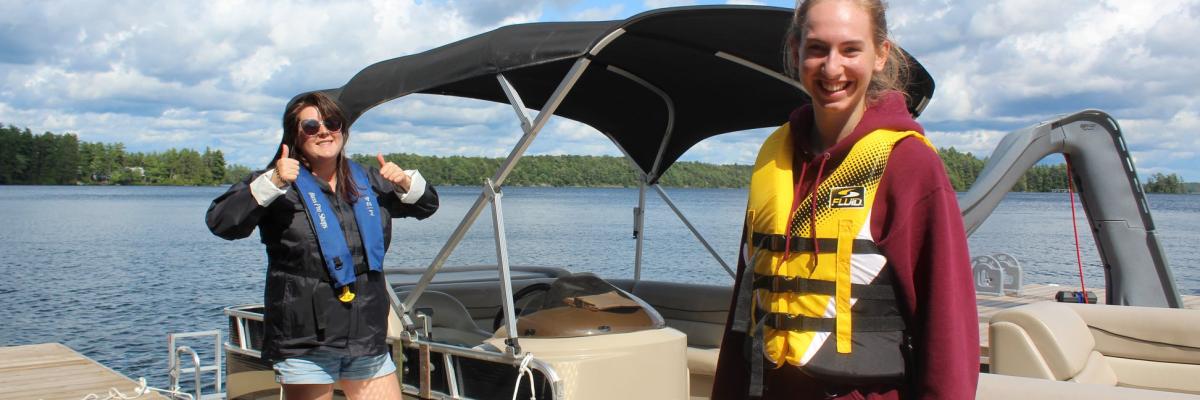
{"points": [[328, 108], [894, 76]]}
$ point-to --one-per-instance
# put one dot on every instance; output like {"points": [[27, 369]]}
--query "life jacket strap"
{"points": [[323, 275], [787, 284], [777, 243], [800, 323]]}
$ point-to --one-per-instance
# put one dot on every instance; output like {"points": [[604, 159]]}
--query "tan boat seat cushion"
{"points": [[1139, 347], [1004, 387], [1045, 340]]}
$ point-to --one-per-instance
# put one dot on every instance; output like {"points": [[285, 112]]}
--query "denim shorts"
{"points": [[325, 366]]}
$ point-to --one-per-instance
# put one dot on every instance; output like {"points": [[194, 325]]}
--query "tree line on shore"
{"points": [[53, 159]]}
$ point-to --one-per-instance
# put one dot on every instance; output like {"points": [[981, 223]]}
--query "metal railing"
{"points": [[175, 369]]}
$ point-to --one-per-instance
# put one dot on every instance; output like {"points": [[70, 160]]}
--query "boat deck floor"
{"points": [[989, 305], [54, 371]]}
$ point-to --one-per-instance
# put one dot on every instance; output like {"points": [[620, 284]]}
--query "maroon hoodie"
{"points": [[918, 226]]}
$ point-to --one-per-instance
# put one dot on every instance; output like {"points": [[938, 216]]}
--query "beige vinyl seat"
{"points": [[1133, 347], [450, 321]]}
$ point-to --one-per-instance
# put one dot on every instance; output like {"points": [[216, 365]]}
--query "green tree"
{"points": [[235, 173], [66, 159], [961, 168], [1160, 183], [14, 155], [214, 162]]}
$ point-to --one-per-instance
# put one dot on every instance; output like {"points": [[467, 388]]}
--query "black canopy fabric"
{"points": [[674, 49]]}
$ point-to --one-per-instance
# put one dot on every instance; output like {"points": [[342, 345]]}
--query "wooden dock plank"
{"points": [[53, 371]]}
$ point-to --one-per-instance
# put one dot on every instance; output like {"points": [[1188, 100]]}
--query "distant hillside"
{"points": [[564, 170], [54, 159]]}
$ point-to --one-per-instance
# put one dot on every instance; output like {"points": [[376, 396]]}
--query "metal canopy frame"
{"points": [[492, 194]]}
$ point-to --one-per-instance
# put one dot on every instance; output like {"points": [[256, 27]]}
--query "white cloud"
{"points": [[251, 73], [564, 136], [498, 12], [612, 11], [218, 73], [734, 148], [434, 110], [977, 142], [997, 20], [1000, 66], [652, 4]]}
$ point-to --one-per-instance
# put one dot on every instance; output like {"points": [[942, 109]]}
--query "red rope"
{"points": [[1075, 227]]}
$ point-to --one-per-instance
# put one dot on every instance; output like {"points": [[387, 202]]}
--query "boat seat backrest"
{"points": [[482, 299], [699, 311], [1052, 342], [1142, 347], [450, 320], [1153, 334]]}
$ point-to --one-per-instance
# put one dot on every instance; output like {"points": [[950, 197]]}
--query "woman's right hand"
{"points": [[286, 169]]}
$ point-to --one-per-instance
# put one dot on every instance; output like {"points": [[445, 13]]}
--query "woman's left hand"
{"points": [[394, 174]]}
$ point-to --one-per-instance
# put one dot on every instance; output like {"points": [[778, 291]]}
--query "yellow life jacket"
{"points": [[804, 302]]}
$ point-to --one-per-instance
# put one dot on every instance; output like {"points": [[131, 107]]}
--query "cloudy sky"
{"points": [[183, 74]]}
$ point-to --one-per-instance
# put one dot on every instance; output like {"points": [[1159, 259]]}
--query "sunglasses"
{"points": [[312, 127]]}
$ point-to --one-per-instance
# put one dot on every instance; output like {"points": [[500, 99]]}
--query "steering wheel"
{"points": [[537, 288]]}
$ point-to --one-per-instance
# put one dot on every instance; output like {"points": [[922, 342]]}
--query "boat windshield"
{"points": [[584, 305]]}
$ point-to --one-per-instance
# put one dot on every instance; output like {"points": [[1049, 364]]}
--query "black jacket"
{"points": [[302, 314]]}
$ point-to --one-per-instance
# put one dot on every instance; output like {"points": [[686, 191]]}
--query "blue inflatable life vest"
{"points": [[338, 260]]}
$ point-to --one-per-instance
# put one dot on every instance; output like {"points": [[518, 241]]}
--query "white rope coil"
{"points": [[139, 391], [523, 370]]}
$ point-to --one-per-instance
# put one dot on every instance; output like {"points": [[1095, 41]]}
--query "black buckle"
{"points": [[811, 324], [778, 282], [793, 322], [778, 242], [779, 320]]}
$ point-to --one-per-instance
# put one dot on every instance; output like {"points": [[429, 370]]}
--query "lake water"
{"points": [[109, 271]]}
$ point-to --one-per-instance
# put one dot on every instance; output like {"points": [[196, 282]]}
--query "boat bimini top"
{"points": [[656, 83]]}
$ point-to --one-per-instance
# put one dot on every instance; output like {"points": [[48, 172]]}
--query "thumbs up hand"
{"points": [[286, 168], [393, 173]]}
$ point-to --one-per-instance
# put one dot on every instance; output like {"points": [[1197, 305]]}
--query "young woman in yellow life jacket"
{"points": [[854, 278]]}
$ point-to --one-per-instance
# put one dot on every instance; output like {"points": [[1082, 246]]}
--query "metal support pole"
{"points": [[639, 225], [506, 298], [531, 131], [663, 194]]}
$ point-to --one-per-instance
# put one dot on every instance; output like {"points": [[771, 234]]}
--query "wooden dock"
{"points": [[990, 305], [53, 371]]}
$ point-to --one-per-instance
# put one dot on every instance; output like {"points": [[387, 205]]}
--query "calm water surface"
{"points": [[109, 271]]}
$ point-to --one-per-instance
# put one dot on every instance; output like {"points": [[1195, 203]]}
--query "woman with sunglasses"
{"points": [[326, 223]]}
